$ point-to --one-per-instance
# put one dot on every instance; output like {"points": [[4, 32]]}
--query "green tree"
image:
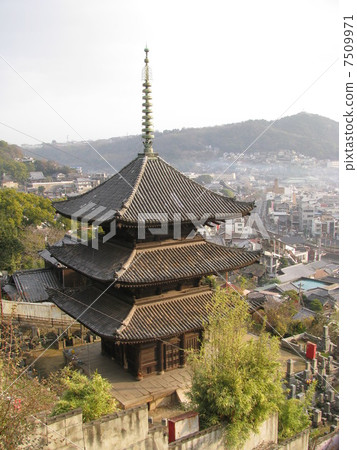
{"points": [[292, 295], [267, 280], [204, 179], [294, 414], [20, 212], [297, 327], [244, 283], [211, 281], [279, 315], [22, 397], [283, 262], [92, 395], [227, 192], [17, 170], [315, 305], [320, 320], [235, 381]]}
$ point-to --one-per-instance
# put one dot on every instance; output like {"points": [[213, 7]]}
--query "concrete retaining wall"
{"points": [[121, 430], [268, 432], [118, 430], [209, 439], [213, 438], [129, 430], [299, 442], [43, 313]]}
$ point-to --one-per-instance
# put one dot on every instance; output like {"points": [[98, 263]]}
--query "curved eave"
{"points": [[153, 338], [212, 218], [178, 279], [128, 223]]}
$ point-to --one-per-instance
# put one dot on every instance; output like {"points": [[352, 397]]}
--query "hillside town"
{"points": [[55, 185]]}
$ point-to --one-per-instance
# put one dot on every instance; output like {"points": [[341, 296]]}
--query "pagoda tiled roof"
{"points": [[154, 263], [187, 260], [151, 186], [112, 317], [101, 264]]}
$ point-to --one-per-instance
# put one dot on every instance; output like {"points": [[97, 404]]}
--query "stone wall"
{"points": [[327, 442]]}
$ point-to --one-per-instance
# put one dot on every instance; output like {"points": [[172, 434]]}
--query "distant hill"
{"points": [[309, 134], [18, 171], [12, 166]]}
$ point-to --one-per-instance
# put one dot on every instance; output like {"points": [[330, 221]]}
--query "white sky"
{"points": [[213, 63]]}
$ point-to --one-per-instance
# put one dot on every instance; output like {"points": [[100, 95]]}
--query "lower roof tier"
{"points": [[110, 317], [149, 265]]}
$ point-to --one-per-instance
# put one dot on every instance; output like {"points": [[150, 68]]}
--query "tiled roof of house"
{"points": [[304, 313], [255, 301], [145, 265], [256, 269], [297, 271], [31, 284], [149, 185], [166, 318]]}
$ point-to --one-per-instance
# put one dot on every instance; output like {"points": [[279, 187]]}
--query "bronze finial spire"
{"points": [[147, 130]]}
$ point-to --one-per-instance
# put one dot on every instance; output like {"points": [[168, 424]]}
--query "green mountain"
{"points": [[309, 134], [11, 165], [17, 170]]}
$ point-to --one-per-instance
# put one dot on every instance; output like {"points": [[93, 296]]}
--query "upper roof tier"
{"points": [[148, 186]]}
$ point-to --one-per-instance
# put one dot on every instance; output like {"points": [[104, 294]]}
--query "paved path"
{"points": [[125, 388]]}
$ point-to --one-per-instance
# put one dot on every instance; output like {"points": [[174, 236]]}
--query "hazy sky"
{"points": [[212, 62]]}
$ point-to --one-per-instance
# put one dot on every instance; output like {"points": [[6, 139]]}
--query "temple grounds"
{"points": [[156, 390]]}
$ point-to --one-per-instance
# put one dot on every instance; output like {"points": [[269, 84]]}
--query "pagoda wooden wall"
{"points": [[148, 358]]}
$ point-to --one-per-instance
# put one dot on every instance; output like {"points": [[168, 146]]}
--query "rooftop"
{"points": [[112, 317], [31, 284], [149, 187], [146, 264], [304, 313], [297, 271]]}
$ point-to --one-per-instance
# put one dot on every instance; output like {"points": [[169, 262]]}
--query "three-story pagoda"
{"points": [[141, 289]]}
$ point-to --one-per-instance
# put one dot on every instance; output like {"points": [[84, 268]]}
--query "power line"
{"points": [[29, 366], [56, 112], [42, 142]]}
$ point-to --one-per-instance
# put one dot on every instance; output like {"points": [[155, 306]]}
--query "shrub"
{"points": [[92, 395]]}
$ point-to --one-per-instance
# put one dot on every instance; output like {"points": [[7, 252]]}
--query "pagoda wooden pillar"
{"points": [[139, 373], [125, 359], [160, 357], [182, 351]]}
